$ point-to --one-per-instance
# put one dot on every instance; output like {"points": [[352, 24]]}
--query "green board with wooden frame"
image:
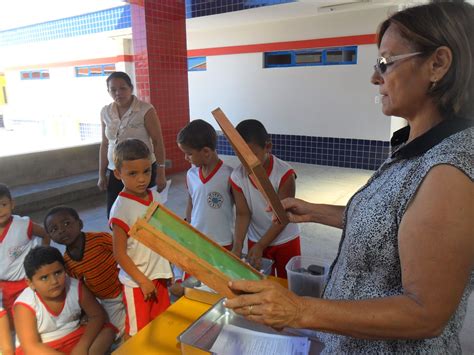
{"points": [[183, 245]]}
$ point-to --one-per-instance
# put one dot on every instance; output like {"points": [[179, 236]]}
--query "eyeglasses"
{"points": [[382, 62]]}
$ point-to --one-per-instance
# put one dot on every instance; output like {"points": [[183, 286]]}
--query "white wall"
{"points": [[331, 101], [63, 101], [63, 94]]}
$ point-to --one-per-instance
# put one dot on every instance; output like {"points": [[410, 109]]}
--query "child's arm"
{"points": [[126, 263], [287, 189], [189, 209], [96, 318], [242, 221], [40, 232], [27, 332], [6, 345]]}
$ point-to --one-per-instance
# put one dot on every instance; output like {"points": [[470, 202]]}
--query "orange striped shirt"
{"points": [[97, 268]]}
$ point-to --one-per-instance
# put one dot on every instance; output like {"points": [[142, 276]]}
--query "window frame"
{"points": [[102, 67], [324, 61], [43, 74], [195, 67]]}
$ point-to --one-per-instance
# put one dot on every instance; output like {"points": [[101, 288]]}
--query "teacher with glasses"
{"points": [[404, 269]]}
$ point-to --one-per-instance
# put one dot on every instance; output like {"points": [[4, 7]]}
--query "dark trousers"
{"points": [[115, 186]]}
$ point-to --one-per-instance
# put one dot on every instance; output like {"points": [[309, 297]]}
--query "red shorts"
{"points": [[64, 344], [68, 342], [11, 290], [138, 312], [280, 254]]}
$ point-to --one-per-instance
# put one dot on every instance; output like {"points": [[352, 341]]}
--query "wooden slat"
{"points": [[252, 165]]}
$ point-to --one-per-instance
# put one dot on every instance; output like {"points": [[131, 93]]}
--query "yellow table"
{"points": [[160, 336]]}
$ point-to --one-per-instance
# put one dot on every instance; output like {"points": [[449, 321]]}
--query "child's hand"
{"points": [[254, 256], [177, 289], [148, 290], [237, 250]]}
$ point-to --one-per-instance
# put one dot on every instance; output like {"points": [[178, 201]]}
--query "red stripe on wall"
{"points": [[248, 48], [76, 63], [281, 46]]}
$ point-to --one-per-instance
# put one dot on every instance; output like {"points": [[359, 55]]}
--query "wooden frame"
{"points": [[252, 165], [174, 239]]}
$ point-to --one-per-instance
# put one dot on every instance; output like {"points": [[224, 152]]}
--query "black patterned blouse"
{"points": [[367, 264]]}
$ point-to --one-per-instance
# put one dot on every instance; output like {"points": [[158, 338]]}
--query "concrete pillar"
{"points": [[161, 74]]}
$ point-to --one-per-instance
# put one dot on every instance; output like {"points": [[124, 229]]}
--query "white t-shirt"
{"points": [[260, 220], [131, 125], [124, 213], [15, 242], [212, 212], [54, 326]]}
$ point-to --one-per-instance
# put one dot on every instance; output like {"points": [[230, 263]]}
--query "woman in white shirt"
{"points": [[128, 117]]}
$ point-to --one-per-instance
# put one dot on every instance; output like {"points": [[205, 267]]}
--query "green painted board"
{"points": [[202, 248]]}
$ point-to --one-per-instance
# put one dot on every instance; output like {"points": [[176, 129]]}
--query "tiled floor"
{"points": [[322, 184]]}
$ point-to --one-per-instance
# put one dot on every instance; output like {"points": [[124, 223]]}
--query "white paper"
{"points": [[164, 193], [233, 340]]}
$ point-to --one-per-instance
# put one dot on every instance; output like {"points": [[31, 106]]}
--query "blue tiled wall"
{"points": [[342, 152], [116, 18], [94, 22], [198, 8]]}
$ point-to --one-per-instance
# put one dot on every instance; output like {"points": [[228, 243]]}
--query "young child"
{"points": [[89, 257], [16, 240], [6, 345], [48, 312], [210, 202], [143, 272], [265, 238]]}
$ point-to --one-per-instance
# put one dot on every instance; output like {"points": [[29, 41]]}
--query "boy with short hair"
{"points": [[210, 201], [48, 312], [143, 273], [16, 240], [267, 239], [89, 257]]}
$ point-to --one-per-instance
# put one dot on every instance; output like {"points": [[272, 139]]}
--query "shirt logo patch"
{"points": [[215, 199], [16, 251]]}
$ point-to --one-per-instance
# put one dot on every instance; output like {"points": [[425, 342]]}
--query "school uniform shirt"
{"points": [[97, 267], [278, 172], [52, 326], [15, 242], [124, 213], [131, 125], [212, 212]]}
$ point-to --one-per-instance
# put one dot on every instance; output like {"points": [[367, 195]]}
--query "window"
{"points": [[34, 74], [310, 57], [278, 59], [197, 64], [95, 70]]}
